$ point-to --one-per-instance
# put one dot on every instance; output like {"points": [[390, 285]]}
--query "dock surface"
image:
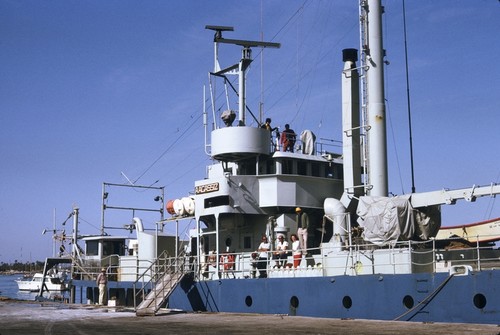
{"points": [[21, 317]]}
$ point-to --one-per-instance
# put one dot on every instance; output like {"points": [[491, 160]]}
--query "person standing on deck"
{"points": [[302, 225], [102, 282], [287, 138], [264, 248], [267, 125], [296, 252]]}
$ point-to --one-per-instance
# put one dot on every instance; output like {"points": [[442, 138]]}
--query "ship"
{"points": [[367, 255]]}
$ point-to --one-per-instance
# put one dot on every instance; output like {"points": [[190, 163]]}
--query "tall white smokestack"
{"points": [[377, 138]]}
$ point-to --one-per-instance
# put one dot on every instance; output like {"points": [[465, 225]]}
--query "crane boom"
{"points": [[449, 197]]}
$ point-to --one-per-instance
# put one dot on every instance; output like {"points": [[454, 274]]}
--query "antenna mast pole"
{"points": [[376, 135], [408, 102]]}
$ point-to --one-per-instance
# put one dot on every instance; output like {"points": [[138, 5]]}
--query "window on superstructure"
{"points": [[92, 248], [266, 166], [222, 200], [247, 167], [247, 242], [302, 168], [113, 248], [287, 166], [270, 166], [316, 170]]}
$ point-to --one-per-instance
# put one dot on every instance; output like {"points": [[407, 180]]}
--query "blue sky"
{"points": [[91, 89]]}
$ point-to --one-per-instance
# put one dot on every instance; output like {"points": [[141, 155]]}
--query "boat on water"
{"points": [[52, 283], [368, 255]]}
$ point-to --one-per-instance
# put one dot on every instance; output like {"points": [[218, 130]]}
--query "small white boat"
{"points": [[33, 284]]}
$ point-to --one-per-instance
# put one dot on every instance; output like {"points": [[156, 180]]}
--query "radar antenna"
{"points": [[241, 66]]}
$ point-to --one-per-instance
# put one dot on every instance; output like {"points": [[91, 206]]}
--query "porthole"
{"points": [[408, 301], [248, 301], [294, 302], [479, 301], [347, 302]]}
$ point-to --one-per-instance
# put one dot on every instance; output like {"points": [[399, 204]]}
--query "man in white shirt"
{"points": [[280, 254], [264, 248]]}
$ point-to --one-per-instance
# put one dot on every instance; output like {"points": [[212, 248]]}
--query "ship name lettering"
{"points": [[213, 187]]}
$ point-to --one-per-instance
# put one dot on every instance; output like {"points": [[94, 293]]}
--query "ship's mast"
{"points": [[242, 66], [374, 97]]}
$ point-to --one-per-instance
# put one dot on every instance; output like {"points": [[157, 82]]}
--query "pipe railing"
{"points": [[355, 259]]}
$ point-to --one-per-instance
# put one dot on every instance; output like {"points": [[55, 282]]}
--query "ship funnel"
{"points": [[375, 99], [350, 55]]}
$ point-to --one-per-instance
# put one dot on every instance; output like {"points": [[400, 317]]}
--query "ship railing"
{"points": [[357, 258], [406, 257], [360, 258], [473, 252], [322, 146], [229, 265], [89, 269], [116, 268], [313, 263]]}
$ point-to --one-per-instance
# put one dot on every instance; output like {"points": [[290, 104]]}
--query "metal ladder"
{"points": [[165, 274]]}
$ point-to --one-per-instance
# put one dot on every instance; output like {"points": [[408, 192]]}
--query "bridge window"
{"points": [[113, 248], [302, 168], [287, 166], [247, 167], [316, 170], [92, 248], [222, 200]]}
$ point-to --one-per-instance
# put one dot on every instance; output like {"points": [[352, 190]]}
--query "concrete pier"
{"points": [[21, 317]]}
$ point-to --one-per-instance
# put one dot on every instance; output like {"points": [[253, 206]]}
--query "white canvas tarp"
{"points": [[386, 220]]}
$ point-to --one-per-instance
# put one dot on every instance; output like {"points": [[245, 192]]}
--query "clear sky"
{"points": [[92, 90]]}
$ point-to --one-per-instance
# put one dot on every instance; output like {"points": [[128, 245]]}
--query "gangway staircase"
{"points": [[162, 277]]}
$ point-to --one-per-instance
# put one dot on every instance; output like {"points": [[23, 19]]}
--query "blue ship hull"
{"points": [[408, 297]]}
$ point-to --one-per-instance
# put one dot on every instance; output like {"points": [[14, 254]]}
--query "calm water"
{"points": [[9, 289]]}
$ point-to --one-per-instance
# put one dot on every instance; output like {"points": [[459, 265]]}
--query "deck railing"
{"points": [[328, 260], [358, 259]]}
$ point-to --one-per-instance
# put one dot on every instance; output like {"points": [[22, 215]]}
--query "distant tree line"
{"points": [[22, 267]]}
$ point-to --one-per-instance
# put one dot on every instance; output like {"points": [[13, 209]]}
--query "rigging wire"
{"points": [[299, 10], [261, 51], [389, 115], [199, 116], [87, 222], [317, 61], [169, 147], [394, 142], [408, 102], [306, 73]]}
